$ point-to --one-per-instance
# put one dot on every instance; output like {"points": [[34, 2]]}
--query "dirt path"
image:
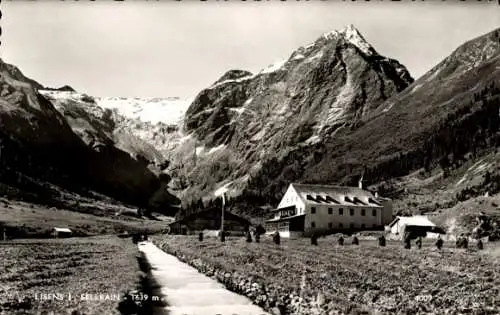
{"points": [[188, 292]]}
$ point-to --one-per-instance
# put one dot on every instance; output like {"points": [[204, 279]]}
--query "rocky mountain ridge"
{"points": [[244, 120]]}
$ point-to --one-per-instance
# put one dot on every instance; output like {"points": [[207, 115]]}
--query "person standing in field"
{"points": [[407, 240], [248, 236], [381, 241], [355, 241], [480, 245], [419, 242], [340, 241], [276, 238], [439, 243], [465, 242], [314, 239]]}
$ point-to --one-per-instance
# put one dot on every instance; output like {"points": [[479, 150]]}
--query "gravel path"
{"points": [[189, 292]]}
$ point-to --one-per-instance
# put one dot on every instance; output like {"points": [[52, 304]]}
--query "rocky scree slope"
{"points": [[244, 120]]}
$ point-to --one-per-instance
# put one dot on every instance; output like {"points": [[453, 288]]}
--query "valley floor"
{"points": [[23, 219], [67, 276], [328, 279]]}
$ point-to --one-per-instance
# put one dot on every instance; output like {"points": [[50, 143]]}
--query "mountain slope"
{"points": [[35, 139], [131, 164], [244, 120], [75, 151], [449, 115]]}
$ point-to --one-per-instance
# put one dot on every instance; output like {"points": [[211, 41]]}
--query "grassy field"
{"points": [[32, 220], [329, 279], [52, 275]]}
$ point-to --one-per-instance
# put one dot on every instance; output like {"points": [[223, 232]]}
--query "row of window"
{"points": [[330, 225], [351, 211]]}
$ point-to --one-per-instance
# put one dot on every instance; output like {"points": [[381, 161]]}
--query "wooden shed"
{"points": [[58, 232]]}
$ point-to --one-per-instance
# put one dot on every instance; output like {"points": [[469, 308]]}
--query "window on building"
{"points": [[313, 210], [352, 225], [313, 224], [363, 226], [341, 211], [330, 211], [351, 211], [363, 212], [330, 225], [374, 212], [341, 225]]}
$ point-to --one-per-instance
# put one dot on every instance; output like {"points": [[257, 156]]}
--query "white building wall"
{"points": [[291, 198], [323, 220]]}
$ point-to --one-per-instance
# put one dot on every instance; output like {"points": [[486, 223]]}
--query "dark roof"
{"points": [[340, 195]]}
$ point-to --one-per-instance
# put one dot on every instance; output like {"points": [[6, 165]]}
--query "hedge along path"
{"points": [[189, 292]]}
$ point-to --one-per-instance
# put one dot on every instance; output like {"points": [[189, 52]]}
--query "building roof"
{"points": [[64, 230], [336, 195], [416, 220]]}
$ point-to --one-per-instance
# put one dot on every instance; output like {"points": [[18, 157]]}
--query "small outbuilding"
{"points": [[58, 232], [418, 225]]}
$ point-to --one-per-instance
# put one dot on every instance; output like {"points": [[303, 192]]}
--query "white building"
{"points": [[322, 208], [61, 232], [419, 224]]}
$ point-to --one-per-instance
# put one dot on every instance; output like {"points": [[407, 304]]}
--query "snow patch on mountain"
{"points": [[153, 110], [185, 138], [232, 81], [274, 67], [298, 57], [259, 135], [353, 36], [199, 150], [313, 139], [239, 110], [217, 148], [318, 55]]}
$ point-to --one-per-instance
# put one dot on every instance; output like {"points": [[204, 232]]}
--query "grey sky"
{"points": [[166, 48]]}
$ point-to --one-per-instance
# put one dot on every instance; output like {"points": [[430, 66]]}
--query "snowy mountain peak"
{"points": [[351, 34]]}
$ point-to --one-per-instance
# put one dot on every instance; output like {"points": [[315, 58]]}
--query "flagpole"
{"points": [[222, 237], [221, 192]]}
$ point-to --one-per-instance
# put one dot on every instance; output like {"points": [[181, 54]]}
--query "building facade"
{"points": [[210, 220], [305, 209]]}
